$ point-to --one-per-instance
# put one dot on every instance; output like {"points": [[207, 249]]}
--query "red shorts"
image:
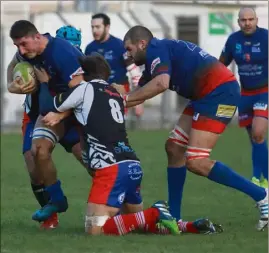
{"points": [[116, 184]]}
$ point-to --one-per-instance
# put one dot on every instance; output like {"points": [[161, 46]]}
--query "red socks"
{"points": [[126, 223]]}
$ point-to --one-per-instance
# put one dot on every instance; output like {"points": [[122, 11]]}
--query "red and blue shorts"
{"points": [[214, 111], [117, 184], [253, 104]]}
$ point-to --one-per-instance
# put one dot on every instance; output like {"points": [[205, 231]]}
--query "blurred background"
{"points": [[206, 23]]}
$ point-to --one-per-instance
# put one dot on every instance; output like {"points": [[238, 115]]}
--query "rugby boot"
{"points": [[48, 210]]}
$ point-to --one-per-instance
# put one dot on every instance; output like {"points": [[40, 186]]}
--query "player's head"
{"points": [[100, 26], [136, 41], [95, 67], [27, 38], [247, 20], [71, 34]]}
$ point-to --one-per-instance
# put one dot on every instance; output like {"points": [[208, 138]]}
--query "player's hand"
{"points": [[120, 88], [29, 87], [52, 119], [41, 75], [22, 88]]}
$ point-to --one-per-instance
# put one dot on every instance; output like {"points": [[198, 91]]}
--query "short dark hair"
{"points": [[137, 33], [22, 28], [106, 19], [94, 66]]}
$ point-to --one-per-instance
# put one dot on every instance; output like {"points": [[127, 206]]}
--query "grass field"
{"points": [[202, 198]]}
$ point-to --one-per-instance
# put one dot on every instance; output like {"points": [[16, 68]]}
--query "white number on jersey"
{"points": [[116, 111]]}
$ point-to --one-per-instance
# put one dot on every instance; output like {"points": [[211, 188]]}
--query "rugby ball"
{"points": [[25, 71]]}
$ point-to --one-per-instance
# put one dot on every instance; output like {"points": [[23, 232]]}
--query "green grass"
{"points": [[202, 198]]}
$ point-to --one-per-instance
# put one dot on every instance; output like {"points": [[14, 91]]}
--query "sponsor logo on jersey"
{"points": [[154, 63], [247, 43], [122, 147], [260, 106], [238, 48], [226, 111], [255, 49], [247, 57]]}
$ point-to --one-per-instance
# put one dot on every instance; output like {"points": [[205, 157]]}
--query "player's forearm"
{"points": [[154, 87], [46, 103], [10, 85], [223, 60], [132, 104]]}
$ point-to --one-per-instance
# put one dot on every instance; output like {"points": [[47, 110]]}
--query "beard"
{"points": [[140, 58], [102, 37]]}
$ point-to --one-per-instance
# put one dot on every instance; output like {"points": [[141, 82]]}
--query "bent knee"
{"points": [[200, 167], [174, 151]]}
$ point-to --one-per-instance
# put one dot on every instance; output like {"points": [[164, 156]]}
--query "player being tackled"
{"points": [[116, 170]]}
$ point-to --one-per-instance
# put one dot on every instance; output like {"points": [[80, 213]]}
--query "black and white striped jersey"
{"points": [[99, 109]]}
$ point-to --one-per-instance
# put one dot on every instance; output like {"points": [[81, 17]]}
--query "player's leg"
{"points": [[245, 110], [36, 179], [258, 136], [209, 123], [175, 148], [108, 192], [73, 143], [44, 140]]}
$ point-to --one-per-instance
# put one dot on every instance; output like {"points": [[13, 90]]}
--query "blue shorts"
{"points": [[117, 184], [214, 111], [252, 106], [70, 138]]}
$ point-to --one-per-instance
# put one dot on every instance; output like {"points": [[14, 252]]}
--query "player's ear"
{"points": [[37, 36]]}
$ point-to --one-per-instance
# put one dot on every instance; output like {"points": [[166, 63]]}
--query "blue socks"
{"points": [[222, 174], [260, 159], [55, 192], [176, 179]]}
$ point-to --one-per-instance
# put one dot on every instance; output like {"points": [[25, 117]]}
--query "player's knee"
{"points": [[198, 162], [41, 150], [174, 152], [35, 178], [94, 224], [258, 135], [198, 166]]}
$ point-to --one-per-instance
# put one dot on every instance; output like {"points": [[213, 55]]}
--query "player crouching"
{"points": [[116, 170]]}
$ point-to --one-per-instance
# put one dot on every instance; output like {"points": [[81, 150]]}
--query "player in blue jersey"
{"points": [[249, 49], [113, 50], [213, 91], [44, 50]]}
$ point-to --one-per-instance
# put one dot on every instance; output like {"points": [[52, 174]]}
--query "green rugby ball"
{"points": [[25, 71]]}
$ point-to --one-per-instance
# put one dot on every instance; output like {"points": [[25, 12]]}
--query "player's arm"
{"points": [[16, 86], [226, 55], [160, 71]]}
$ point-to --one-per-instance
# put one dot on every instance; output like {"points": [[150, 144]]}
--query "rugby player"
{"points": [[113, 50], [248, 47], [202, 226], [60, 59], [213, 93], [117, 173]]}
